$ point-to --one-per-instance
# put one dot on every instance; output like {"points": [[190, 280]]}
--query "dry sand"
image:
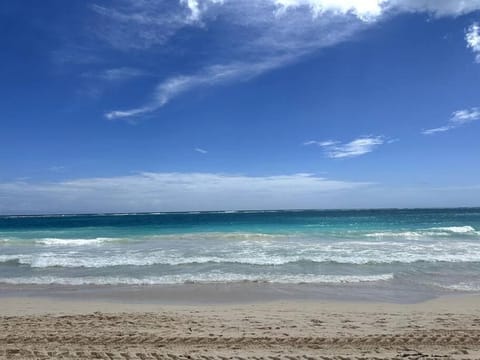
{"points": [[39, 328]]}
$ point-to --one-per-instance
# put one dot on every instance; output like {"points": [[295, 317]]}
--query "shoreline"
{"points": [[232, 293], [20, 305]]}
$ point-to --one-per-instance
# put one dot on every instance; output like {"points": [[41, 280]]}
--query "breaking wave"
{"points": [[456, 252], [212, 277]]}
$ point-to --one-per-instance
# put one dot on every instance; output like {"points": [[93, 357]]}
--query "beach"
{"points": [[356, 284], [240, 180], [40, 327]]}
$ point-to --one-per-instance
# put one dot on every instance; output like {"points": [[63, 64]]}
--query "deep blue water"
{"points": [[438, 248]]}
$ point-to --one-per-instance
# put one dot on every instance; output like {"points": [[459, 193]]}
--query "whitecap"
{"points": [[408, 235], [73, 242], [457, 229]]}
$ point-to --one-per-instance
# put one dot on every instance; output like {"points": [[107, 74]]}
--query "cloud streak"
{"points": [[173, 192], [213, 75], [357, 147], [458, 118], [201, 151]]}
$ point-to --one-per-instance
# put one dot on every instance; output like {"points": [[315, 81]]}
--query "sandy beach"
{"points": [[53, 328]]}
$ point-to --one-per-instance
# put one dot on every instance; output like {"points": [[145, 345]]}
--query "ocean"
{"points": [[431, 248]]}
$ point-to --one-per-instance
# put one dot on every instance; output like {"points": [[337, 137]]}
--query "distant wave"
{"points": [[74, 242], [213, 277], [457, 229], [217, 235], [463, 286], [343, 237], [409, 235], [193, 236], [51, 241], [430, 232]]}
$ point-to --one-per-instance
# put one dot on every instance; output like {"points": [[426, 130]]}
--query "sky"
{"points": [[185, 105]]}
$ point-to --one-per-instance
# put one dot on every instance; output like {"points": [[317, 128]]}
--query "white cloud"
{"points": [[372, 9], [174, 192], [458, 118], [461, 117], [473, 40], [200, 150], [194, 9], [265, 34], [438, 8], [363, 9], [362, 145], [206, 191], [198, 7]]}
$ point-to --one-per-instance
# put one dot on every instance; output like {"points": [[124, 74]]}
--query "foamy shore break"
{"points": [[55, 328]]}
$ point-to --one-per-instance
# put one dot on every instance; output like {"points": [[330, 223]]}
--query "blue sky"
{"points": [[206, 104]]}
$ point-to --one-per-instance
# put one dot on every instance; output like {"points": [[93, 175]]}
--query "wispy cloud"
{"points": [[200, 150], [472, 37], [265, 34], [96, 82], [120, 74], [360, 146], [458, 118], [213, 75], [142, 24], [136, 25], [320, 143], [174, 192]]}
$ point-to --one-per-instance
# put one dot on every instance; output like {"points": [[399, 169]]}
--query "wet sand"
{"points": [[235, 292], [39, 327]]}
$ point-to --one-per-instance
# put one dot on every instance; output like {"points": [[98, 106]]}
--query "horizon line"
{"points": [[193, 212]]}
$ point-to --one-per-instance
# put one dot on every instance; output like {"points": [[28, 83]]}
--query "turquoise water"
{"points": [[437, 248]]}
